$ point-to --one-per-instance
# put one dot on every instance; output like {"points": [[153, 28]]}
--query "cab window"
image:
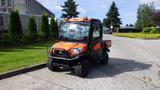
{"points": [[96, 30]]}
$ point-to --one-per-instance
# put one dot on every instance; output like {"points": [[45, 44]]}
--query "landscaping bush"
{"points": [[128, 30], [44, 26], [154, 31], [4, 39], [15, 28], [146, 30], [53, 29], [40, 37], [26, 38], [32, 29]]}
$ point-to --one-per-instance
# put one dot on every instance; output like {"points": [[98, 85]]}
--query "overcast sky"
{"points": [[99, 8]]}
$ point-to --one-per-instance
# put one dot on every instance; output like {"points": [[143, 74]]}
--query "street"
{"points": [[134, 65]]}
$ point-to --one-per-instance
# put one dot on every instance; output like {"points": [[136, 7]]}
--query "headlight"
{"points": [[76, 51]]}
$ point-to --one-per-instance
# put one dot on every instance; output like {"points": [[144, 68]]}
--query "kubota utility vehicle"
{"points": [[79, 44]]}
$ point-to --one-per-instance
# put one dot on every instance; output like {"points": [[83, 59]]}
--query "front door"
{"points": [[96, 40]]}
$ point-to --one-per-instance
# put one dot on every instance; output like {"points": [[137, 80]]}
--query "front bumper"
{"points": [[64, 62], [69, 59]]}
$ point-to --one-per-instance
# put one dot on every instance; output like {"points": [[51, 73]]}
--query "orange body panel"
{"points": [[97, 46], [70, 45]]}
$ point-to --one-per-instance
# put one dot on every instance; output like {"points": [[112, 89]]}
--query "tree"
{"points": [[156, 18], [32, 28], [53, 28], [69, 9], [19, 25], [112, 17], [127, 25], [131, 25], [144, 13], [15, 28], [45, 26]]}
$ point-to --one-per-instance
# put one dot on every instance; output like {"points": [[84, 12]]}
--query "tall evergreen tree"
{"points": [[69, 9], [53, 28], [156, 18], [12, 26], [45, 26], [19, 25], [15, 28], [112, 17], [32, 28], [144, 13]]}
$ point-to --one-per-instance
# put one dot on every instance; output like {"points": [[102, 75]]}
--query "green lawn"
{"points": [[138, 35], [12, 58]]}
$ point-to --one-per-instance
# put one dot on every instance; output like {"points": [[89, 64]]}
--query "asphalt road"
{"points": [[134, 65]]}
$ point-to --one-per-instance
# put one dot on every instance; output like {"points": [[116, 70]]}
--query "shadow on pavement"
{"points": [[116, 66]]}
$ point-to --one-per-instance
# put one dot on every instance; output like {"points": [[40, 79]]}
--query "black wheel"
{"points": [[51, 66], [82, 70], [105, 60]]}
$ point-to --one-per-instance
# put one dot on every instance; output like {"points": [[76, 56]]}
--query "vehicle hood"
{"points": [[70, 45]]}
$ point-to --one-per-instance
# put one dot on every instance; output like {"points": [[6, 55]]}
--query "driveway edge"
{"points": [[22, 71]]}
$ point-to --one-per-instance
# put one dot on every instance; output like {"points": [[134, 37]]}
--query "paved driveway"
{"points": [[134, 65]]}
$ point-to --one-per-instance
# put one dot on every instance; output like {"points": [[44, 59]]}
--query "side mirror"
{"points": [[49, 47]]}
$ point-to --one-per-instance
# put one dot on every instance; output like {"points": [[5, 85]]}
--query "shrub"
{"points": [[128, 30], [146, 30], [154, 31], [4, 39], [40, 37], [32, 29], [26, 37], [53, 28], [15, 28], [44, 26]]}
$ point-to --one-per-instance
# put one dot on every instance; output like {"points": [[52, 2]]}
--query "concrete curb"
{"points": [[140, 38], [22, 71], [151, 38]]}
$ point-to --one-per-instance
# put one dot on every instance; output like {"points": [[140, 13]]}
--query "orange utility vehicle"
{"points": [[80, 43]]}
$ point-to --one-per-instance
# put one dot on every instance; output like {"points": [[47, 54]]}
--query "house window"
{"points": [[3, 2], [9, 10], [1, 21], [4, 10], [27, 2], [9, 2]]}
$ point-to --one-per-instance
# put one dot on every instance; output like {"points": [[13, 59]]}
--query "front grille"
{"points": [[65, 62], [60, 53]]}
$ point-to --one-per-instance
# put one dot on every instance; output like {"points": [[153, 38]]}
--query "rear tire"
{"points": [[82, 70], [105, 60], [51, 66]]}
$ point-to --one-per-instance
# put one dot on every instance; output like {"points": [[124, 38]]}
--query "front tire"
{"points": [[105, 60], [51, 66], [82, 70]]}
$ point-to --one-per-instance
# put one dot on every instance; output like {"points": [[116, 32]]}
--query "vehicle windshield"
{"points": [[74, 31]]}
